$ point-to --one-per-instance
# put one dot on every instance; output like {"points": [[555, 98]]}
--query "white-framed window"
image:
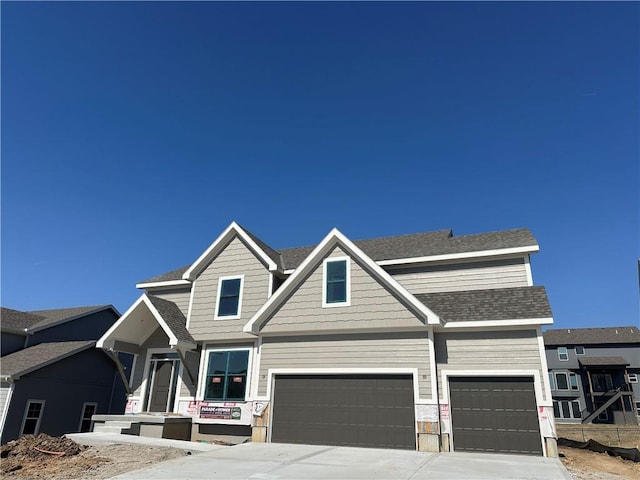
{"points": [[579, 350], [552, 383], [633, 377], [336, 282], [229, 299], [563, 355], [566, 381], [638, 408], [89, 409], [226, 375], [567, 409], [32, 417]]}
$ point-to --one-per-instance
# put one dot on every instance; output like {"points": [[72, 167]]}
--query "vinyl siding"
{"points": [[373, 351], [492, 350], [158, 339], [235, 259], [4, 394], [178, 296], [187, 389], [372, 306], [462, 276]]}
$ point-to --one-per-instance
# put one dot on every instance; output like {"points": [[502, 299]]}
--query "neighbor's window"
{"points": [[336, 282], [568, 409], [573, 381], [32, 417], [579, 350], [633, 377], [563, 354], [88, 411], [562, 382], [227, 375], [552, 384], [229, 295]]}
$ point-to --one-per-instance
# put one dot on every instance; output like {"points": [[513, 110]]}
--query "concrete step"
{"points": [[106, 428], [117, 423]]}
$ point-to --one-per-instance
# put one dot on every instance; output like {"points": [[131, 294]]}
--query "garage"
{"points": [[494, 414], [346, 410]]}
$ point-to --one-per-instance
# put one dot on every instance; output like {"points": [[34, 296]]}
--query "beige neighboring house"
{"points": [[427, 341]]}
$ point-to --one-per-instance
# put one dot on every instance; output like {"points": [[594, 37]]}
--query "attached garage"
{"points": [[347, 410], [494, 414]]}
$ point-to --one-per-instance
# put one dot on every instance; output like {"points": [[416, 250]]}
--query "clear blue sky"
{"points": [[134, 133]]}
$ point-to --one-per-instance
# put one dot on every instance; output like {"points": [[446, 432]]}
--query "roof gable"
{"points": [[37, 320], [17, 321]]}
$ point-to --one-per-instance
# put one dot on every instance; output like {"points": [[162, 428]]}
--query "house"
{"points": [[417, 341], [594, 374], [52, 378]]}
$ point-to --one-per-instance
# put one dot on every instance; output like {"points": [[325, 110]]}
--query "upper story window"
{"points": [[563, 354], [227, 375], [229, 298], [579, 350], [565, 381], [336, 288], [633, 377]]}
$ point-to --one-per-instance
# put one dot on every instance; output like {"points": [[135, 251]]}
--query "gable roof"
{"points": [[35, 320], [33, 358], [587, 336], [333, 239], [15, 320], [486, 305], [173, 317], [388, 250]]}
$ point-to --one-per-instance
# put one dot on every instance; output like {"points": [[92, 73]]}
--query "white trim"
{"points": [[499, 323], [144, 402], [84, 408], [105, 338], [270, 286], [190, 308], [347, 302], [527, 268], [134, 364], [432, 361], [204, 370], [217, 246], [463, 255], [26, 410], [634, 376], [166, 283], [333, 238], [544, 365], [566, 352], [5, 410], [255, 384], [238, 313], [570, 401]]}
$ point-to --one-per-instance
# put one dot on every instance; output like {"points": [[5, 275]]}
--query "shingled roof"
{"points": [[16, 320], [39, 319], [591, 336], [603, 361], [173, 317], [33, 358], [440, 242], [494, 304]]}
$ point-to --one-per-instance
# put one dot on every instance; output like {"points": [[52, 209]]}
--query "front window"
{"points": [[336, 282], [567, 409], [229, 295], [88, 411], [227, 375], [32, 417], [563, 355]]}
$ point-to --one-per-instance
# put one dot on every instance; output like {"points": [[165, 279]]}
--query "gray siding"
{"points": [[462, 276], [235, 259], [178, 296], [158, 339], [630, 352], [372, 306], [492, 350], [188, 389], [372, 351], [88, 327]]}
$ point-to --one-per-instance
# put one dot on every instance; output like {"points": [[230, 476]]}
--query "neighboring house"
{"points": [[52, 379], [417, 341], [594, 374]]}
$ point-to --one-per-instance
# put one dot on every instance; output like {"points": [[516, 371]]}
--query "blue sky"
{"points": [[134, 133]]}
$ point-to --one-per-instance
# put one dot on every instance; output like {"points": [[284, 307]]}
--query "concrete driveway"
{"points": [[271, 461]]}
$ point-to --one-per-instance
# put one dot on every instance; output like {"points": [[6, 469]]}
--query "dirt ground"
{"points": [[588, 465]]}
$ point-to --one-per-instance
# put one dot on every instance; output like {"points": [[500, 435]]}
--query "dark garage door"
{"points": [[348, 410], [494, 415]]}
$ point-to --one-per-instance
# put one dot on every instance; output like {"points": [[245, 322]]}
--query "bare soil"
{"points": [[588, 465]]}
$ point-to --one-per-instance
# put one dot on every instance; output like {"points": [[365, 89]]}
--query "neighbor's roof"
{"points": [[173, 317], [16, 320], [603, 361], [441, 242], [33, 358], [587, 336], [495, 304], [39, 319]]}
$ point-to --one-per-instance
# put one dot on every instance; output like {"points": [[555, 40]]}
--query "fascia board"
{"points": [[105, 338], [168, 283], [516, 322], [173, 341], [460, 256]]}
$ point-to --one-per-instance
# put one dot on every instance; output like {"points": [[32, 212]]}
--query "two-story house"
{"points": [[52, 378], [427, 341], [594, 374]]}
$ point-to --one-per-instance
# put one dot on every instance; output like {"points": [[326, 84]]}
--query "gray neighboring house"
{"points": [[52, 379], [594, 374], [418, 341]]}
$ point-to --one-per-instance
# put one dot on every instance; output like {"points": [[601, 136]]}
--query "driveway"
{"points": [[271, 461]]}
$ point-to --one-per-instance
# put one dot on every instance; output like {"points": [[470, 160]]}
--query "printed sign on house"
{"points": [[220, 413]]}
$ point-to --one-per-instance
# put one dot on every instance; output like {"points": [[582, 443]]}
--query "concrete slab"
{"points": [[102, 438], [272, 461]]}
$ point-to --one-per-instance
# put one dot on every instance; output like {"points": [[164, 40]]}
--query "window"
{"points": [[336, 282], [573, 381], [227, 375], [638, 408], [229, 297], [563, 355], [566, 381], [633, 377], [602, 382], [32, 417], [88, 411], [568, 409], [552, 384], [579, 350]]}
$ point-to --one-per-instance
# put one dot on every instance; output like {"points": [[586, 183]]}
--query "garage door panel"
{"points": [[352, 410]]}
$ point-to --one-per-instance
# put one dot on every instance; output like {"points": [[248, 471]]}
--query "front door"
{"points": [[163, 380]]}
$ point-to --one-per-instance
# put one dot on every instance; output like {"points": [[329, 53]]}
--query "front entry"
{"points": [[162, 382]]}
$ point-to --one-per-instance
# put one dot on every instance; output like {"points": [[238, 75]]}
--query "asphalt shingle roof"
{"points": [[603, 361], [17, 320], [37, 319], [494, 304], [439, 242], [38, 356], [591, 336], [173, 317]]}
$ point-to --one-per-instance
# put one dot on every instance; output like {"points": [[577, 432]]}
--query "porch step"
{"points": [[118, 423], [102, 428]]}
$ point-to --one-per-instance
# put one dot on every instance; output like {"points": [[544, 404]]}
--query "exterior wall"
{"points": [[371, 306], [158, 339], [365, 351], [88, 327], [235, 259], [630, 352], [11, 343], [5, 388], [179, 296], [65, 386], [188, 389], [490, 350], [462, 276]]}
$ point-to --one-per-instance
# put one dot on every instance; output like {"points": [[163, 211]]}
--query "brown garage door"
{"points": [[348, 410], [494, 415]]}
